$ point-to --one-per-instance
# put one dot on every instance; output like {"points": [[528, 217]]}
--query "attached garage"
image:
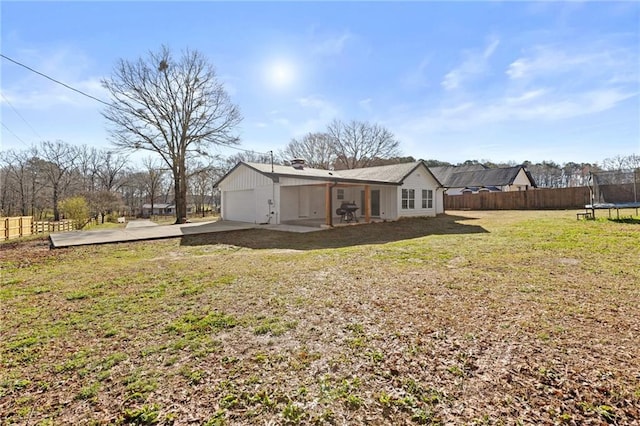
{"points": [[239, 206]]}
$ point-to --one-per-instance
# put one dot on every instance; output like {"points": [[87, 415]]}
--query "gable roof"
{"points": [[443, 173], [486, 177], [393, 174]]}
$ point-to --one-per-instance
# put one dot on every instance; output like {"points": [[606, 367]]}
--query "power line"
{"points": [[20, 115], [242, 149], [16, 136], [54, 80], [94, 98]]}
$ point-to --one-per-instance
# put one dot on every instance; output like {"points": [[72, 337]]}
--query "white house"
{"points": [[265, 193], [162, 209]]}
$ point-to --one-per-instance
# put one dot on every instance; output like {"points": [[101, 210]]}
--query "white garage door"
{"points": [[240, 206]]}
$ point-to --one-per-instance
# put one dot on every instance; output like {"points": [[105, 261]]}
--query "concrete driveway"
{"points": [[138, 230]]}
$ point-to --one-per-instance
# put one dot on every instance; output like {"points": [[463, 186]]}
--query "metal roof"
{"points": [[393, 174]]}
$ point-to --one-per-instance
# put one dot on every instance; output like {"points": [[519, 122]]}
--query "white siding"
{"points": [[244, 178], [251, 206], [300, 202], [520, 183], [288, 203], [317, 196], [289, 181], [418, 180]]}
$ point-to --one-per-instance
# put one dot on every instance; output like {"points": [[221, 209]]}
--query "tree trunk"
{"points": [[180, 193], [56, 212]]}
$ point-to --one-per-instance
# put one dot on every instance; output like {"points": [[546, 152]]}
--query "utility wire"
{"points": [[242, 149], [54, 80], [20, 115], [16, 136], [96, 99]]}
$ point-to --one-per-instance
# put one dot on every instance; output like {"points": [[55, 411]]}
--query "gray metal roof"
{"points": [[393, 174]]}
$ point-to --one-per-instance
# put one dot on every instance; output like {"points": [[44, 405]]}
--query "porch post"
{"points": [[328, 218], [367, 203]]}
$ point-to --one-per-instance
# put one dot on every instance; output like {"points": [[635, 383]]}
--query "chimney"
{"points": [[297, 163]]}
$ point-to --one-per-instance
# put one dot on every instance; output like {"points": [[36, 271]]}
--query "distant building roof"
{"points": [[443, 173], [158, 206], [481, 177]]}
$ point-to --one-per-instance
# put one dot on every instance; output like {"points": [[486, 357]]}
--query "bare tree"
{"points": [[247, 157], [317, 149], [18, 176], [358, 143], [201, 181], [622, 162], [56, 164], [86, 167], [104, 202], [109, 168], [176, 108], [153, 178]]}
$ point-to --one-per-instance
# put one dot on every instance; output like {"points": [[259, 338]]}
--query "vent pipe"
{"points": [[297, 163]]}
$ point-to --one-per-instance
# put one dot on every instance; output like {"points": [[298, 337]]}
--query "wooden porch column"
{"points": [[367, 203], [327, 205]]}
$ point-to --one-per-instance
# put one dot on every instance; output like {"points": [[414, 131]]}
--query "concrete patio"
{"points": [[139, 230]]}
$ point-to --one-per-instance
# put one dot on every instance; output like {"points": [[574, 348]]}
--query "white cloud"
{"points": [[600, 58], [476, 63], [416, 78], [477, 120], [525, 97], [317, 113], [65, 65], [331, 45], [365, 104]]}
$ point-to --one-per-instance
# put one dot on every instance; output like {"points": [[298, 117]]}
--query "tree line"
{"points": [[176, 108], [35, 181]]}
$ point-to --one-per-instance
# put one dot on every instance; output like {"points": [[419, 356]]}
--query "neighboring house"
{"points": [[162, 209], [265, 193], [477, 178]]}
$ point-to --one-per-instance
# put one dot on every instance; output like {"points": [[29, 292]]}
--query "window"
{"points": [[408, 199], [427, 198], [340, 194]]}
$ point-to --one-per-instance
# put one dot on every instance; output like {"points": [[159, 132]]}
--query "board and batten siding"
{"points": [[249, 196], [244, 178], [418, 180]]}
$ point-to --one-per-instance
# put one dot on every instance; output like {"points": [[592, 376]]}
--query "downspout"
{"points": [[444, 204], [335, 183]]}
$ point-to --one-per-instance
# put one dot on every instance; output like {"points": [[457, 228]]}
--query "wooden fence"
{"points": [[22, 226], [533, 199]]}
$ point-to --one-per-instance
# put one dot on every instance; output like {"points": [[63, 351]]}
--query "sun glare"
{"points": [[281, 75]]}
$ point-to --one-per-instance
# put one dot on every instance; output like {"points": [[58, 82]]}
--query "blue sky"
{"points": [[499, 81]]}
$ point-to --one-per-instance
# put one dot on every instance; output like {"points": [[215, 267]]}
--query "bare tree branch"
{"points": [[175, 108]]}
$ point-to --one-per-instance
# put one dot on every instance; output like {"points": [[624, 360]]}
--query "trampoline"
{"points": [[613, 190]]}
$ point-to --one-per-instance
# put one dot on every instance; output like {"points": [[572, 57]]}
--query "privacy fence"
{"points": [[533, 199], [22, 226]]}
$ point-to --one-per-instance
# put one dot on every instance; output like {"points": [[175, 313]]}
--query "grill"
{"points": [[347, 212]]}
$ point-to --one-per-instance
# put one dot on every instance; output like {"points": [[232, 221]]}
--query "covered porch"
{"points": [[316, 204]]}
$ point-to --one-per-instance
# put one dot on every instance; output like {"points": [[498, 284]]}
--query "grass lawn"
{"points": [[467, 318]]}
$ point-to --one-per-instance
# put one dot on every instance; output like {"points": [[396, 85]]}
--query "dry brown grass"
{"points": [[468, 318]]}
